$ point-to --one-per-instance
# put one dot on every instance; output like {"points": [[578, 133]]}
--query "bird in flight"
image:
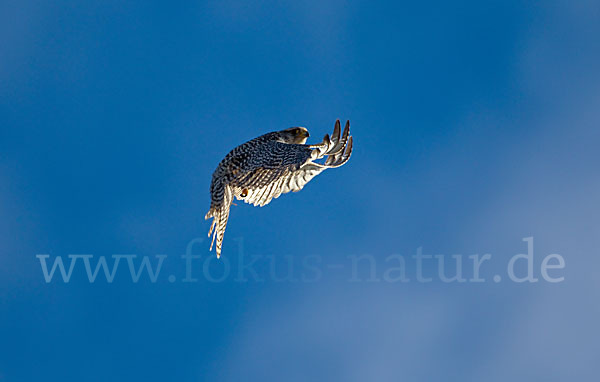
{"points": [[265, 167]]}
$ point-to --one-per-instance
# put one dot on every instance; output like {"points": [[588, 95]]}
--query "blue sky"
{"points": [[475, 126]]}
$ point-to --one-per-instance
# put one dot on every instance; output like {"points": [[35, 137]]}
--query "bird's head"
{"points": [[296, 135]]}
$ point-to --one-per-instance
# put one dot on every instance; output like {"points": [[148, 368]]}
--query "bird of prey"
{"points": [[270, 165]]}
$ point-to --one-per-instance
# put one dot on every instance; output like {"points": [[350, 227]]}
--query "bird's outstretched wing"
{"points": [[276, 168], [290, 167]]}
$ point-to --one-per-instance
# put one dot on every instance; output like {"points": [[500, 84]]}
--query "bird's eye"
{"points": [[244, 193]]}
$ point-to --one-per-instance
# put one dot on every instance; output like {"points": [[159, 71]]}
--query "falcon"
{"points": [[265, 167]]}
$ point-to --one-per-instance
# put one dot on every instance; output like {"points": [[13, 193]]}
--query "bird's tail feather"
{"points": [[220, 214]]}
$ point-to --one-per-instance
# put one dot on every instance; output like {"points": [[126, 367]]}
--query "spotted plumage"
{"points": [[263, 168]]}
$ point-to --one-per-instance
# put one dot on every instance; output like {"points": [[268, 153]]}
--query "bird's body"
{"points": [[270, 165]]}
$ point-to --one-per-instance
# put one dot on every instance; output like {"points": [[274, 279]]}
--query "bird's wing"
{"points": [[282, 167]]}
